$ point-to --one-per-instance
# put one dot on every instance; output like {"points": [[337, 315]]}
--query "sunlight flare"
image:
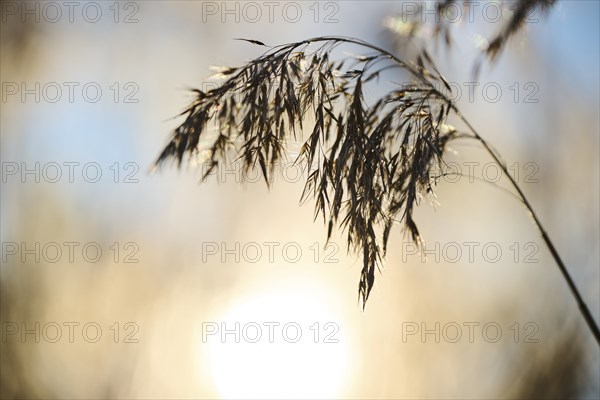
{"points": [[281, 343]]}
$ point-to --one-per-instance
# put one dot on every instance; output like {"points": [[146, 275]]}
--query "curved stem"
{"points": [[587, 315], [415, 72], [362, 43]]}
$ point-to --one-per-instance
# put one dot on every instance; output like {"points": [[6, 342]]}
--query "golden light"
{"points": [[282, 343]]}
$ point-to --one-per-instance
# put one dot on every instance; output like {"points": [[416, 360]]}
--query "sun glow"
{"points": [[278, 344]]}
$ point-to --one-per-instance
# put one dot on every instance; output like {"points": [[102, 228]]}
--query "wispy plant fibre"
{"points": [[369, 163]]}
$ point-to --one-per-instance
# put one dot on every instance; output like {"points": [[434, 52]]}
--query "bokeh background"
{"points": [[179, 257]]}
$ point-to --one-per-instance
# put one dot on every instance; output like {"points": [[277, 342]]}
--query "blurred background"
{"points": [[117, 281]]}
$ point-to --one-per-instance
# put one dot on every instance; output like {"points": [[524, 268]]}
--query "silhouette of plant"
{"points": [[410, 25], [370, 163]]}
